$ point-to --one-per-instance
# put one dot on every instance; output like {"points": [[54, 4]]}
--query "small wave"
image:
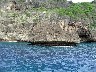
{"points": [[12, 41], [62, 46]]}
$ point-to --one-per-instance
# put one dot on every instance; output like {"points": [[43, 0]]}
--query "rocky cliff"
{"points": [[42, 26], [45, 30]]}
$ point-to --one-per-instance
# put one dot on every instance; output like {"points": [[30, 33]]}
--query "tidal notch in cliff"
{"points": [[53, 43]]}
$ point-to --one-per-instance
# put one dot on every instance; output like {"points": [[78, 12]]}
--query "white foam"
{"points": [[12, 41], [62, 46]]}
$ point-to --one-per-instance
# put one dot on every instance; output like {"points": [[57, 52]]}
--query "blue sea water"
{"points": [[21, 57]]}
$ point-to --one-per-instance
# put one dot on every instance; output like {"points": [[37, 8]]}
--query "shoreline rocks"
{"points": [[46, 32], [42, 27]]}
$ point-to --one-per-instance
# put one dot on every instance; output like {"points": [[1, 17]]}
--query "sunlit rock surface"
{"points": [[34, 26]]}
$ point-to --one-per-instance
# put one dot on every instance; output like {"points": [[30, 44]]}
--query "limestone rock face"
{"points": [[19, 23], [93, 33], [46, 31], [53, 32]]}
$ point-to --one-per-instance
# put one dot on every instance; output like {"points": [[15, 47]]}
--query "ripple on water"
{"points": [[20, 57]]}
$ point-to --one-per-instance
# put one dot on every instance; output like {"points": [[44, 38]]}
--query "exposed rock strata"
{"points": [[44, 28], [55, 30]]}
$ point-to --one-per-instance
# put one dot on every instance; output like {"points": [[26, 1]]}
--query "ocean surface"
{"points": [[21, 57]]}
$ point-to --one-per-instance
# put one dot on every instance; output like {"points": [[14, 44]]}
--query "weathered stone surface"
{"points": [[45, 28], [54, 30], [93, 33]]}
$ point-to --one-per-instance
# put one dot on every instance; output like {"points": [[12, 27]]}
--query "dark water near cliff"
{"points": [[20, 57]]}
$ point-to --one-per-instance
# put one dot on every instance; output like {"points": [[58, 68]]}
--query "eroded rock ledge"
{"points": [[42, 28], [46, 31]]}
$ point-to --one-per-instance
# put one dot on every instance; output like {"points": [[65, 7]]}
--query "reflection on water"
{"points": [[20, 57]]}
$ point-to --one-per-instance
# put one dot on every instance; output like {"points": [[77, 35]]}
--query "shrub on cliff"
{"points": [[75, 11]]}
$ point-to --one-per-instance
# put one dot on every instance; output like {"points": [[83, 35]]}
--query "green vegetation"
{"points": [[76, 11]]}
